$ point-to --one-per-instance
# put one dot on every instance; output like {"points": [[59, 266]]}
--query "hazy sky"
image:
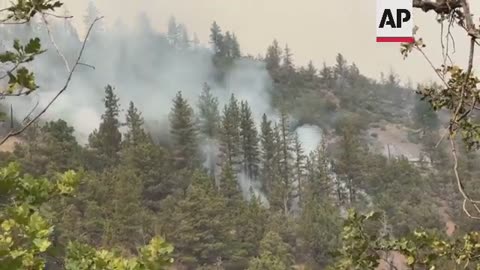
{"points": [[314, 29]]}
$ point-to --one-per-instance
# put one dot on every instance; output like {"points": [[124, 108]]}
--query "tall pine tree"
{"points": [[249, 140], [106, 141], [217, 39], [230, 142], [184, 133], [209, 115], [273, 57], [134, 122], [268, 154]]}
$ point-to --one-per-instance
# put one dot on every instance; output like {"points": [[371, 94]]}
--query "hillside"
{"points": [[239, 162]]}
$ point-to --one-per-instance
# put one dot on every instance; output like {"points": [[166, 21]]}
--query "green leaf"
{"points": [[42, 244], [26, 79], [33, 47], [16, 45], [8, 57]]}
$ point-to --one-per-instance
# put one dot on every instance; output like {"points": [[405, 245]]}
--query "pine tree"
{"points": [[424, 116], [350, 161], [340, 68], [184, 38], [49, 149], [283, 193], [319, 182], [299, 166], [287, 63], [126, 221], [236, 53], [268, 154], [134, 122], [285, 162], [209, 116], [230, 141], [229, 185], [319, 230], [173, 33], [209, 125], [228, 44], [106, 141], [184, 133], [197, 225], [326, 75], [311, 71], [251, 225], [275, 254], [273, 57], [249, 140], [217, 40]]}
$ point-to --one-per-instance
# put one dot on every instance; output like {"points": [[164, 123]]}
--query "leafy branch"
{"points": [[63, 89], [459, 93]]}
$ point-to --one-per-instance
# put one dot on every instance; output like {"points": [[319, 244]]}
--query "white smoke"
{"points": [[143, 67], [310, 137], [250, 186]]}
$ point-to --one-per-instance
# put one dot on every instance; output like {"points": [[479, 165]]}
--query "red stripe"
{"points": [[396, 39]]}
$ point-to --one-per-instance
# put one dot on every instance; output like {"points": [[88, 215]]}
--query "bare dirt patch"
{"points": [[394, 139], [9, 145]]}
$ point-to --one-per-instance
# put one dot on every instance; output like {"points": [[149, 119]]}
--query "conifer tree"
{"points": [[268, 150], [319, 228], [134, 122], [249, 141], [106, 141], [197, 225], [311, 71], [173, 33], [236, 53], [126, 220], [350, 160], [209, 116], [424, 116], [319, 183], [229, 185], [340, 69], [217, 40], [326, 75], [286, 181], [228, 44], [275, 254], [209, 125], [51, 148], [299, 166], [230, 143], [287, 63], [184, 133], [184, 38], [273, 57], [251, 225], [283, 186]]}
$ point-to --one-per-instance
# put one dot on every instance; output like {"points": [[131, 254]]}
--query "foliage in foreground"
{"points": [[364, 248], [25, 232]]}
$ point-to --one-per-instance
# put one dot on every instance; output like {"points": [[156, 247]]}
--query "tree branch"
{"points": [[67, 83], [440, 7]]}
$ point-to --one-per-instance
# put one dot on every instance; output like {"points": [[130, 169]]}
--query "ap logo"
{"points": [[394, 21]]}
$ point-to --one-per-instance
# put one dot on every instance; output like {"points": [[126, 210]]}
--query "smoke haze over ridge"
{"points": [[143, 67]]}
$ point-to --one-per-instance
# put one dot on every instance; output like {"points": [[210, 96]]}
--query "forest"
{"points": [[166, 153]]}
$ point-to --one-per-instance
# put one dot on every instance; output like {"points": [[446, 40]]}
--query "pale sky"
{"points": [[314, 29]]}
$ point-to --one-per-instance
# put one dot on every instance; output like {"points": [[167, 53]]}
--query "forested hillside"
{"points": [[238, 162]]}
